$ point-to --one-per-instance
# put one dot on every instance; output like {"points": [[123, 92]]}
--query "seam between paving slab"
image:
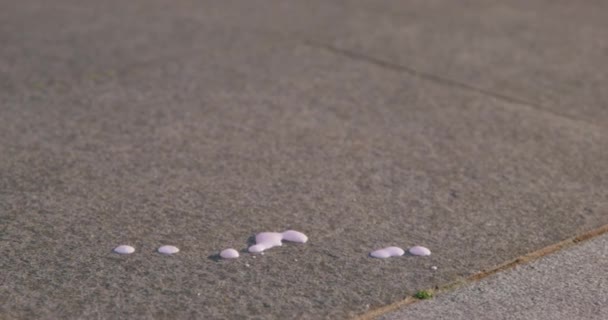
{"points": [[352, 55], [524, 259], [442, 80]]}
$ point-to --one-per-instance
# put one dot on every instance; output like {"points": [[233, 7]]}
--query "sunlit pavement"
{"points": [[475, 129]]}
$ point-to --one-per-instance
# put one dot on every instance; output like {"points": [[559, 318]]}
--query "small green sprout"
{"points": [[423, 294]]}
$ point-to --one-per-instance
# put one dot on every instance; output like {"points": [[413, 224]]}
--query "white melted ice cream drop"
{"points": [[294, 236], [168, 250], [387, 252], [124, 249], [267, 240], [420, 251], [229, 254]]}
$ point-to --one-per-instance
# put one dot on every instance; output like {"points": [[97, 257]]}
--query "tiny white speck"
{"points": [[420, 251], [229, 254], [198, 294], [434, 268], [124, 249], [247, 265], [168, 250]]}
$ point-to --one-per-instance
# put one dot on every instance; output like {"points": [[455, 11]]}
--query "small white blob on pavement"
{"points": [[387, 252], [420, 251], [124, 249], [294, 236], [229, 254], [168, 250]]}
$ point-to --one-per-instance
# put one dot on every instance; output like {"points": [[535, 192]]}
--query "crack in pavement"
{"points": [[442, 80]]}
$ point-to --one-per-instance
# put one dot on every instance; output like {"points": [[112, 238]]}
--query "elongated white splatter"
{"points": [[267, 240], [387, 252], [294, 236], [420, 251], [168, 250], [124, 249]]}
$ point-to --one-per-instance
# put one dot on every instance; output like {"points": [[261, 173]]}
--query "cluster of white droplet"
{"points": [[267, 240], [397, 252], [125, 249], [264, 241]]}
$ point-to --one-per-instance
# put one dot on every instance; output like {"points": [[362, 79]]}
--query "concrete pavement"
{"points": [[200, 123], [570, 284]]}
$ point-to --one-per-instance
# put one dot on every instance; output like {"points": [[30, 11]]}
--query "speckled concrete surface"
{"points": [[569, 284], [198, 124]]}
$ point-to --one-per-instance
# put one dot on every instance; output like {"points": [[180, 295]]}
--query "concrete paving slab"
{"points": [[208, 138], [545, 54], [570, 284], [541, 53]]}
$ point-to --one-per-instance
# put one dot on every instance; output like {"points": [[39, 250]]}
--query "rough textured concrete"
{"points": [[544, 53], [570, 284], [193, 124]]}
